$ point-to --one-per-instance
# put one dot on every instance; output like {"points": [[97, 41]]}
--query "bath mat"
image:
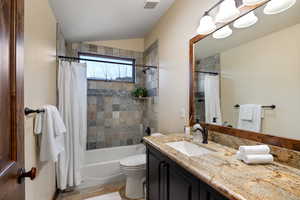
{"points": [[110, 196]]}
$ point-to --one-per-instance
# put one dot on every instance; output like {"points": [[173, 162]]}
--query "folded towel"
{"points": [[239, 155], [257, 149], [258, 159]]}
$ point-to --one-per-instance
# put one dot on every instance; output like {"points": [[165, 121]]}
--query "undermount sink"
{"points": [[189, 148]]}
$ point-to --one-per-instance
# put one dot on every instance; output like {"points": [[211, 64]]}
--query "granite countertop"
{"points": [[231, 177]]}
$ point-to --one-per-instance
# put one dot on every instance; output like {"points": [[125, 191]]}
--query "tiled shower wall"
{"points": [[151, 83], [115, 118], [208, 64]]}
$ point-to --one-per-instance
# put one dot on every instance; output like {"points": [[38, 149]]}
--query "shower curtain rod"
{"points": [[91, 60]]}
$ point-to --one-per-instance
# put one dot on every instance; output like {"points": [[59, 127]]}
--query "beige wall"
{"points": [[136, 44], [40, 84], [265, 71], [173, 31]]}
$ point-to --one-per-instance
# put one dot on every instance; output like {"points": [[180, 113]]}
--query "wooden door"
{"points": [[11, 99]]}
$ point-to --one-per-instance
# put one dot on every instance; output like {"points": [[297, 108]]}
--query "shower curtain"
{"points": [[212, 99], [72, 98]]}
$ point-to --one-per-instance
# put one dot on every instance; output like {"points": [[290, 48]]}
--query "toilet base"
{"points": [[134, 187]]}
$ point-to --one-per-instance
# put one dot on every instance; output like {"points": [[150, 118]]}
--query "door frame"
{"points": [[9, 169]]}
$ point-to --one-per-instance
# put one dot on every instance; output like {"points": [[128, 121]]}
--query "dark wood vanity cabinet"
{"points": [[166, 180]]}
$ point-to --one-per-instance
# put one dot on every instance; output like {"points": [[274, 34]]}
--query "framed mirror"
{"points": [[246, 82]]}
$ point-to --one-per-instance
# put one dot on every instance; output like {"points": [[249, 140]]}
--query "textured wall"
{"points": [[152, 85], [115, 118]]}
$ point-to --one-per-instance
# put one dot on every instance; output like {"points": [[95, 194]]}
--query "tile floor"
{"points": [[93, 192]]}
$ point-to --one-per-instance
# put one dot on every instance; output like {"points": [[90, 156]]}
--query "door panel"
{"points": [[181, 185], [207, 193], [11, 101], [153, 176]]}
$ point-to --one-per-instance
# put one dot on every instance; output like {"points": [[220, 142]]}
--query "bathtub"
{"points": [[102, 165]]}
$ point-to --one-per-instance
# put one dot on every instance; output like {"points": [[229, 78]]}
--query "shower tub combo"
{"points": [[102, 166]]}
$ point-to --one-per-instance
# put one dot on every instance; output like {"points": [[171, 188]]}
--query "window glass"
{"points": [[109, 71]]}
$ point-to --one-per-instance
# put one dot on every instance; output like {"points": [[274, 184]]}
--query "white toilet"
{"points": [[134, 168]]}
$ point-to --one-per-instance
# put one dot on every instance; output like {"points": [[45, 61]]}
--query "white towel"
{"points": [[258, 159], [255, 123], [53, 130], [246, 112], [257, 149], [239, 155], [38, 123]]}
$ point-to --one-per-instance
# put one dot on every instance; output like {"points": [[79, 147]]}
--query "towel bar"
{"points": [[29, 111], [269, 107]]}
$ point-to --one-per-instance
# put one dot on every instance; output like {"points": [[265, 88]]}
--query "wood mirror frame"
{"points": [[254, 136]]}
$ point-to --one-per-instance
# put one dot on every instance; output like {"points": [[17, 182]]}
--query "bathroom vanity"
{"points": [[217, 175], [168, 180]]}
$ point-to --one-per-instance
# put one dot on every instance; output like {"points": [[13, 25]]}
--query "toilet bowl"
{"points": [[134, 168]]}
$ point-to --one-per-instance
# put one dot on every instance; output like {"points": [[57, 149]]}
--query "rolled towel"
{"points": [[257, 149], [239, 155], [258, 159]]}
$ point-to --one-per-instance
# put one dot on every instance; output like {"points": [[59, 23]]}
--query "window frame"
{"points": [[111, 57]]}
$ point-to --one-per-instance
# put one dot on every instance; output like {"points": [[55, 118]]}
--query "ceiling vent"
{"points": [[151, 4]]}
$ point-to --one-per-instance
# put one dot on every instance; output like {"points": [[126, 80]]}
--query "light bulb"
{"points": [[246, 21], [227, 12], [278, 6], [222, 33], [206, 25]]}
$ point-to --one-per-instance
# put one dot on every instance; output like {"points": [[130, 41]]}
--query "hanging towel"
{"points": [[255, 123], [38, 123], [246, 112], [53, 130]]}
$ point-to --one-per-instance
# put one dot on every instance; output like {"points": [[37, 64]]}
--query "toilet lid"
{"points": [[133, 161]]}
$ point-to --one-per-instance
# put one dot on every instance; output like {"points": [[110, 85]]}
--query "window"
{"points": [[121, 69]]}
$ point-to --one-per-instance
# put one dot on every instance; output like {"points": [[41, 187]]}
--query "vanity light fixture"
{"points": [[207, 25], [246, 20], [222, 33], [227, 11], [252, 2], [278, 6]]}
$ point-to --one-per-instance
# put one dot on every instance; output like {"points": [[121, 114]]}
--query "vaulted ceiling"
{"points": [[83, 20]]}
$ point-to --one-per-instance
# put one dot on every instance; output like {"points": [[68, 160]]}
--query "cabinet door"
{"points": [[154, 179], [182, 185], [208, 193]]}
